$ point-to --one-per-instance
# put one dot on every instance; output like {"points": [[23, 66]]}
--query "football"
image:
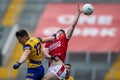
{"points": [[87, 9]]}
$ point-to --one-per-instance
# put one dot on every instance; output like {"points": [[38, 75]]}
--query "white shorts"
{"points": [[58, 70]]}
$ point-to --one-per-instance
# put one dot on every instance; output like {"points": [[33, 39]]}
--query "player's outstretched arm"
{"points": [[47, 39], [72, 26], [22, 59]]}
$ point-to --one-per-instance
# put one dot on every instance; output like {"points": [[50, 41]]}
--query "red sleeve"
{"points": [[64, 37], [46, 45]]}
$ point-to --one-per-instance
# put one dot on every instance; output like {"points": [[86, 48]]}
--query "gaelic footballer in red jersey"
{"points": [[55, 51], [59, 46]]}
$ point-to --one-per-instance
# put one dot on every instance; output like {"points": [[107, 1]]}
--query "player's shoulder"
{"points": [[64, 37], [31, 40]]}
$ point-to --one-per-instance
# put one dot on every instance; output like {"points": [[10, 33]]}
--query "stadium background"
{"points": [[93, 62]]}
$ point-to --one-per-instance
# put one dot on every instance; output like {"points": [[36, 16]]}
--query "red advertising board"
{"points": [[98, 32]]}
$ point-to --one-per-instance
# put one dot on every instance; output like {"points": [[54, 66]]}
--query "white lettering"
{"points": [[108, 32], [65, 19], [50, 30], [105, 20], [55, 45], [85, 32], [76, 32], [90, 20], [93, 32]]}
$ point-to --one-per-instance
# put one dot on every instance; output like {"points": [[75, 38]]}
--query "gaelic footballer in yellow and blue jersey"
{"points": [[35, 58], [32, 53]]}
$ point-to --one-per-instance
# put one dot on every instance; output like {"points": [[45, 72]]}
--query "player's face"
{"points": [[20, 40], [67, 68], [59, 33]]}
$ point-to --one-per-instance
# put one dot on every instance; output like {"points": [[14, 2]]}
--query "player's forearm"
{"points": [[46, 53], [47, 56], [77, 16], [71, 28], [24, 57], [22, 60], [75, 19], [48, 39]]}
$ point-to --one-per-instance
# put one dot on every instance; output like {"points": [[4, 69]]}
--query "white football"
{"points": [[87, 9]]}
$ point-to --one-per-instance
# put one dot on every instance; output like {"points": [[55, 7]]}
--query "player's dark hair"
{"points": [[21, 33], [54, 35], [61, 30], [68, 65]]}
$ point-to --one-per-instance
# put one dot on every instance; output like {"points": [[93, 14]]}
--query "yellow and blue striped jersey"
{"points": [[35, 57]]}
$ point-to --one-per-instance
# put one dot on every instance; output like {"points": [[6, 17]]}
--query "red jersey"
{"points": [[58, 47]]}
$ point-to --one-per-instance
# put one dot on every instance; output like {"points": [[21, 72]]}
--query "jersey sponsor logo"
{"points": [[55, 45]]}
